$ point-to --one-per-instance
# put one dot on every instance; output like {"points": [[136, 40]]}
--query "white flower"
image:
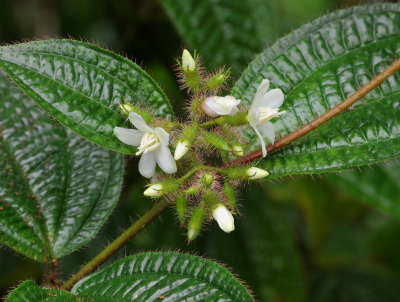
{"points": [[181, 149], [265, 106], [154, 190], [256, 173], [224, 218], [152, 143], [220, 105], [188, 64]]}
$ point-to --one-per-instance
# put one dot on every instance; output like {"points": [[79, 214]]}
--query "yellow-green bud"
{"points": [[215, 82], [188, 63], [191, 190], [154, 190], [250, 173], [182, 147], [216, 141], [159, 189], [256, 173], [181, 206], [237, 150], [126, 108], [196, 222], [207, 179]]}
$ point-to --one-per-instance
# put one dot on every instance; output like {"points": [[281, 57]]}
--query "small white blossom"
{"points": [[220, 105], [265, 106], [188, 64], [181, 149], [224, 218], [152, 143], [256, 173], [154, 190]]}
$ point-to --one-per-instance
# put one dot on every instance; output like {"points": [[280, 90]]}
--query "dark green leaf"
{"points": [[225, 32], [163, 275], [56, 189], [82, 85], [378, 187], [319, 65]]}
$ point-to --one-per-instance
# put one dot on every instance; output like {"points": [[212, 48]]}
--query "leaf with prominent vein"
{"points": [[56, 189], [172, 276], [82, 85], [319, 65]]}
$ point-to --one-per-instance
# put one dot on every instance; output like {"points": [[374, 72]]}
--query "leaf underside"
{"points": [[82, 85], [56, 189], [319, 65]]}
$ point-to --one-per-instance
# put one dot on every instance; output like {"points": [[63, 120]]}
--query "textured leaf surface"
{"points": [[378, 187], [223, 31], [81, 85], [56, 188], [319, 65], [172, 276]]}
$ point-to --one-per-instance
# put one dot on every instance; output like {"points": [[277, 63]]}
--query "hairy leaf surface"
{"points": [[319, 65], [224, 32], [56, 189], [82, 85], [163, 275]]}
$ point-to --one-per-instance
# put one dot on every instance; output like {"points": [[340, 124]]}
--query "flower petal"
{"points": [[165, 160], [272, 99], [139, 122], [163, 136], [128, 136], [267, 130], [147, 164], [264, 150], [215, 105]]}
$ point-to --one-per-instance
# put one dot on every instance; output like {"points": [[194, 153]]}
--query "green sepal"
{"points": [[181, 207], [216, 141], [196, 222]]}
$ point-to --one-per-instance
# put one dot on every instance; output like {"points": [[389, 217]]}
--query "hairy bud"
{"points": [[188, 63], [181, 207], [159, 189], [250, 173], [216, 141], [224, 218], [237, 150], [196, 222]]}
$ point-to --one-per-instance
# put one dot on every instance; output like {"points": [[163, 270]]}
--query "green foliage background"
{"points": [[327, 239]]}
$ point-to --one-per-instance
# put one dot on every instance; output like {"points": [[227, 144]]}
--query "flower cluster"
{"points": [[198, 177]]}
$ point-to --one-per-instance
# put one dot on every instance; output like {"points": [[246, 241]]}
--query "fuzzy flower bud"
{"points": [[126, 108], [182, 147], [237, 150], [207, 179], [196, 222], [256, 173], [216, 141], [154, 190], [181, 207], [217, 105], [188, 63], [224, 218]]}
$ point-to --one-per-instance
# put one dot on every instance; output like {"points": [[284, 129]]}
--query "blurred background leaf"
{"points": [[334, 241]]}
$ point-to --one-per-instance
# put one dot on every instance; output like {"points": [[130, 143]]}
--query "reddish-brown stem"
{"points": [[359, 94]]}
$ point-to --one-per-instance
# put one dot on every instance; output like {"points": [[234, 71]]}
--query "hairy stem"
{"points": [[359, 94], [114, 246]]}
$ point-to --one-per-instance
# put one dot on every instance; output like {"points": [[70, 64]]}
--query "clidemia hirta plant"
{"points": [[60, 183]]}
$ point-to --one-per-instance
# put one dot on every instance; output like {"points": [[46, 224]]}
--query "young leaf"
{"points": [[165, 276], [319, 65], [225, 32], [56, 189], [82, 85]]}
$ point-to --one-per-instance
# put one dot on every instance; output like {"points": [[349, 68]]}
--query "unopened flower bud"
{"points": [[207, 179], [181, 206], [215, 140], [191, 190], [126, 108], [181, 149], [215, 82], [237, 150], [154, 190], [188, 63], [224, 218], [216, 105], [256, 173], [196, 222]]}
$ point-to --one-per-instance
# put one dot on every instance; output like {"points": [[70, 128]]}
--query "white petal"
{"points": [[163, 136], [267, 130], [261, 90], [128, 136], [224, 218], [139, 122], [147, 164], [272, 99], [215, 105], [264, 150], [253, 116], [165, 160]]}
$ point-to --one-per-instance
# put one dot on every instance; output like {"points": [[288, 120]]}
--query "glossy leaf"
{"points": [[319, 65], [82, 85], [163, 275], [378, 187], [56, 189], [224, 32]]}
